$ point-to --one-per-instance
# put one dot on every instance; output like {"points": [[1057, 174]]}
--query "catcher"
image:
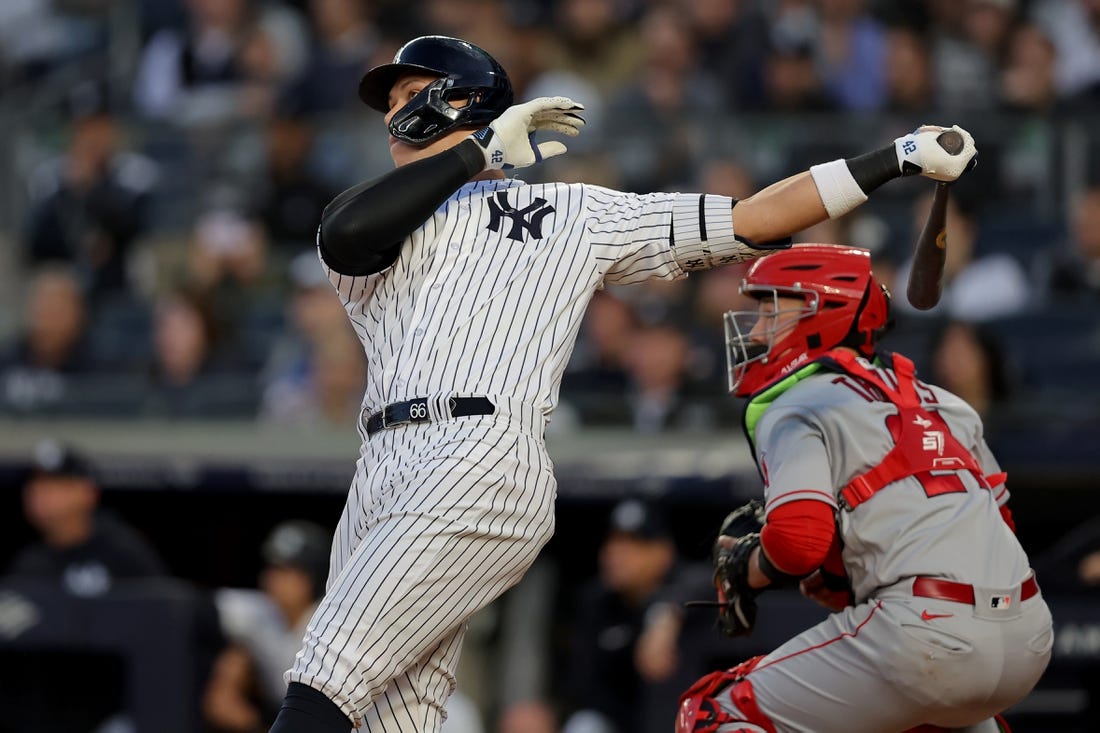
{"points": [[884, 504]]}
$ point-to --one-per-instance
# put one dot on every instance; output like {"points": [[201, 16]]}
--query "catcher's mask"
{"points": [[839, 303], [465, 72]]}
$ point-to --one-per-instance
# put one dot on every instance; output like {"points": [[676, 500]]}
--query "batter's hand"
{"points": [[922, 151], [508, 141]]}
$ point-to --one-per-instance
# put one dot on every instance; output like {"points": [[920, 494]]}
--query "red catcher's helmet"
{"points": [[842, 305]]}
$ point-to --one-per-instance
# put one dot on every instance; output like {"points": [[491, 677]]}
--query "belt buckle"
{"points": [[382, 416]]}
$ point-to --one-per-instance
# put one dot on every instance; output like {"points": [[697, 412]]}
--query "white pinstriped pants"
{"points": [[441, 519]]}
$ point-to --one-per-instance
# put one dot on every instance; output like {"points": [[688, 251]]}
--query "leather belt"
{"points": [[416, 411], [949, 590]]}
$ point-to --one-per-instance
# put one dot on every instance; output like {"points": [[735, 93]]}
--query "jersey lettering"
{"points": [[931, 441], [865, 390], [500, 207]]}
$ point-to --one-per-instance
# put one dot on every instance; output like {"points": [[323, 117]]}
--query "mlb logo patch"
{"points": [[999, 603]]}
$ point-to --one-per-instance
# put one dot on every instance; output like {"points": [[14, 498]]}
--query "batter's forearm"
{"points": [[780, 210], [362, 228], [828, 190]]}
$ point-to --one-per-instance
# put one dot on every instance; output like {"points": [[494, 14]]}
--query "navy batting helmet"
{"points": [[465, 72]]}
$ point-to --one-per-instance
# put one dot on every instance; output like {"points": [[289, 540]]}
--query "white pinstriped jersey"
{"points": [[826, 430], [486, 298], [488, 295]]}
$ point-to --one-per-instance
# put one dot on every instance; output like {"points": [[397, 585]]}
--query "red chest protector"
{"points": [[923, 444]]}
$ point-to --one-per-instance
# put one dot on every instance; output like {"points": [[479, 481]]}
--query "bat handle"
{"points": [[926, 276]]}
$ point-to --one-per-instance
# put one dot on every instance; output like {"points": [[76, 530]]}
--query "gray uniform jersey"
{"points": [[485, 299], [829, 429]]}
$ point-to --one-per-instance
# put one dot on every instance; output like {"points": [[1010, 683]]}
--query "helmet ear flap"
{"points": [[872, 319]]}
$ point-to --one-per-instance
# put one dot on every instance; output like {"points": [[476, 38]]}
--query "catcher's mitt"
{"points": [[736, 602], [736, 599], [744, 520]]}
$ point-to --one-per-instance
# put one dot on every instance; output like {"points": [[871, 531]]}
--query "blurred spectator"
{"points": [[1074, 28], [52, 344], [1028, 82], [910, 87], [1072, 270], [328, 391], [290, 197], [196, 70], [83, 548], [658, 391], [636, 560], [343, 47], [791, 80], [313, 310], [88, 206], [851, 54], [668, 83], [228, 247], [969, 361], [969, 40], [37, 36], [316, 370], [595, 40], [974, 288], [265, 629], [193, 374], [599, 360], [730, 38], [226, 63]]}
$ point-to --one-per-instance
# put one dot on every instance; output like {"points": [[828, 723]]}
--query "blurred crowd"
{"points": [[171, 160]]}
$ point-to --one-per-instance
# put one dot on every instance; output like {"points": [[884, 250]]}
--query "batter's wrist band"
{"points": [[873, 169], [838, 187], [472, 156]]}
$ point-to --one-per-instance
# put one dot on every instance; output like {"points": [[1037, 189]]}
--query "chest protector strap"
{"points": [[923, 444]]}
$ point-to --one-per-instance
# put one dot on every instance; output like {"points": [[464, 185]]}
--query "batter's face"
{"points": [[404, 89]]}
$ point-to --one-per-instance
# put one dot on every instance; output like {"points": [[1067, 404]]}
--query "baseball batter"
{"points": [[467, 290], [884, 503]]}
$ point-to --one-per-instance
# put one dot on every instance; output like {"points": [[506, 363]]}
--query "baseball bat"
{"points": [[926, 275]]}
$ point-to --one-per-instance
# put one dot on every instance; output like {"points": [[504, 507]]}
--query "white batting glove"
{"points": [[921, 152], [508, 141]]}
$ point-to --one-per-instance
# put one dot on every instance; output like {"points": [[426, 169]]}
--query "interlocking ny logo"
{"points": [[500, 207]]}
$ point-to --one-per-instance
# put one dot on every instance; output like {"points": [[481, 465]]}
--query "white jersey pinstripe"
{"points": [[486, 298], [462, 297]]}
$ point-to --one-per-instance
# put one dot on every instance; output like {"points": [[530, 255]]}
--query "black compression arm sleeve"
{"points": [[362, 228]]}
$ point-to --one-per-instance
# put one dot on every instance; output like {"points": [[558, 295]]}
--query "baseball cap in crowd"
{"points": [[299, 544], [638, 518], [54, 458]]}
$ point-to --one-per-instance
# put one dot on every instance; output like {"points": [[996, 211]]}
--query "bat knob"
{"points": [[951, 141]]}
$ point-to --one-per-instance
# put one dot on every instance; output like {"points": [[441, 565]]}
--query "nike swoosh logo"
{"points": [[925, 616]]}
